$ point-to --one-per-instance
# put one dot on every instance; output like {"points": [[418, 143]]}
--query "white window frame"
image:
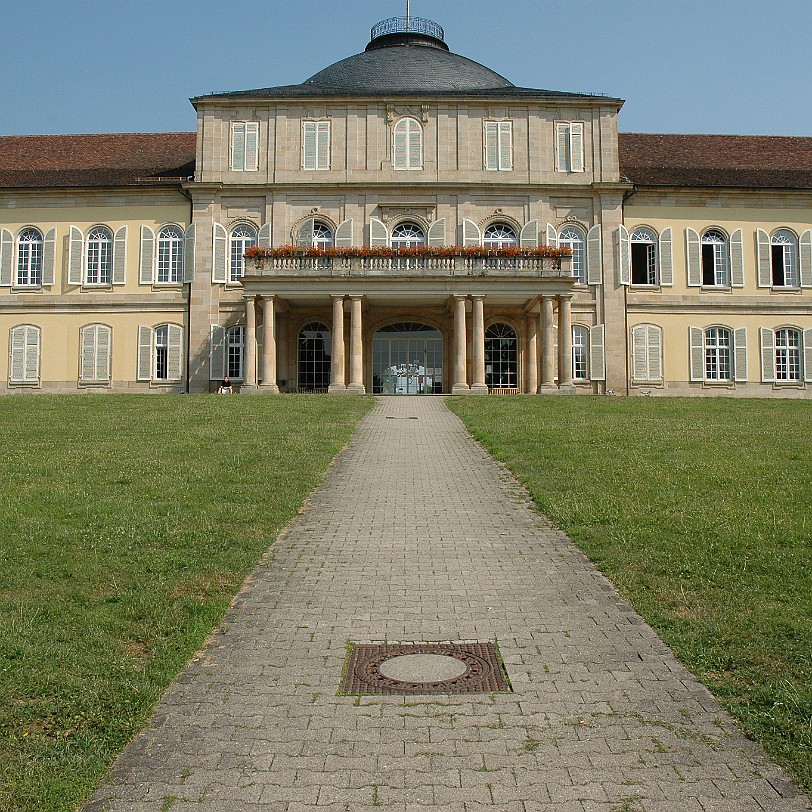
{"points": [[170, 238], [790, 257], [411, 240], [237, 245], [580, 352], [244, 146], [98, 267], [721, 258], [410, 157], [100, 355], [643, 235], [316, 158], [235, 350], [573, 237], [25, 352], [500, 235], [644, 337], [498, 146], [716, 354], [29, 260], [788, 358], [569, 146]]}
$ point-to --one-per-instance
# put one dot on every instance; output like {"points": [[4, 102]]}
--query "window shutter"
{"points": [[552, 236], [189, 252], [343, 238], [17, 365], [104, 341], [220, 255], [666, 250], [146, 272], [555, 352], [639, 352], [76, 243], [304, 236], [120, 256], [767, 355], [597, 358], [562, 140], [529, 236], [48, 257], [697, 353], [577, 147], [378, 235], [471, 235], [740, 354], [87, 366], [624, 265], [805, 251], [6, 256], [505, 145], [594, 258], [765, 277], [436, 235], [238, 146], [32, 335], [217, 353], [415, 145], [174, 354], [807, 339], [400, 157], [693, 257], [309, 145], [491, 145], [251, 146], [323, 145], [654, 341], [736, 259], [144, 353], [264, 236]]}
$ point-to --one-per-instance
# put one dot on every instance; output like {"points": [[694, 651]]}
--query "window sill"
{"points": [[95, 384], [96, 287], [25, 384], [711, 384], [645, 288], [716, 288], [794, 289], [161, 285], [659, 383], [789, 385], [28, 288]]}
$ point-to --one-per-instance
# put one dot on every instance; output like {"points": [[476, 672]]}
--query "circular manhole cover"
{"points": [[422, 668]]}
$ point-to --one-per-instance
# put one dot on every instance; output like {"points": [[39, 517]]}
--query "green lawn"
{"points": [[127, 523], [700, 512]]}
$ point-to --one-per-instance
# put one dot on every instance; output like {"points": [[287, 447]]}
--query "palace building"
{"points": [[404, 212]]}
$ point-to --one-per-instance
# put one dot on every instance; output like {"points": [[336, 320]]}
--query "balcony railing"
{"points": [[403, 25]]}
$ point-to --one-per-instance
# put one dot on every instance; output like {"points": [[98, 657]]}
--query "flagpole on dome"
{"points": [[407, 15]]}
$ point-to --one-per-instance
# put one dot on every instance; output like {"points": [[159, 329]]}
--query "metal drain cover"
{"points": [[424, 668]]}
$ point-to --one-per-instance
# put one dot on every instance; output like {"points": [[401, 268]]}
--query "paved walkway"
{"points": [[418, 535]]}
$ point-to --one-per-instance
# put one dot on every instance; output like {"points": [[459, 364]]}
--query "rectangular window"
{"points": [[162, 354], [236, 344], [644, 263], [315, 145], [25, 350], [569, 146], [498, 145], [244, 146]]}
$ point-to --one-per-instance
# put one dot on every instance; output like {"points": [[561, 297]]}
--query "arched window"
{"points": [[715, 259], [407, 235], [29, 258], [243, 236], [788, 354], [322, 236], [580, 353], [408, 144], [314, 357], [499, 235], [573, 238], [784, 256], [99, 269], [170, 255], [644, 256], [501, 357], [718, 343]]}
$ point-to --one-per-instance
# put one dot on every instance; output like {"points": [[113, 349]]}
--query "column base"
{"points": [[337, 389], [479, 389], [356, 389], [460, 389], [249, 389], [268, 389], [548, 389], [567, 389]]}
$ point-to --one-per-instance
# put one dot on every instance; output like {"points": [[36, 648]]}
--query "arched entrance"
{"points": [[407, 359]]}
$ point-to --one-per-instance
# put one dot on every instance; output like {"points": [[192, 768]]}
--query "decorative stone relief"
{"points": [[396, 111]]}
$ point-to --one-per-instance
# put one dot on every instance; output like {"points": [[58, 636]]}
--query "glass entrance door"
{"points": [[407, 359]]}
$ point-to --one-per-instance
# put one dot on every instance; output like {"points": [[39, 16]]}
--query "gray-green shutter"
{"points": [[174, 352], [491, 145], [765, 275], [144, 353], [594, 256], [807, 338], [666, 258], [120, 256], [597, 356], [562, 143], [32, 353], [87, 362], [304, 236], [471, 235], [639, 352], [740, 354], [6, 257], [436, 236], [17, 366], [219, 265], [506, 145], [736, 259], [624, 264], [104, 341], [217, 353], [76, 242], [400, 158], [529, 237], [697, 353], [49, 257], [693, 256], [323, 145], [344, 237], [378, 234], [805, 254], [309, 151], [654, 341], [238, 146], [189, 246], [551, 236], [251, 146], [767, 355], [146, 272], [577, 146], [264, 236]]}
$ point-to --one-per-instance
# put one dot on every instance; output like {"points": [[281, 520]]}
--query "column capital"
{"points": [[565, 297], [340, 296]]}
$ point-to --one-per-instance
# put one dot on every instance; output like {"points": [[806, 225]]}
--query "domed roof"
{"points": [[402, 59]]}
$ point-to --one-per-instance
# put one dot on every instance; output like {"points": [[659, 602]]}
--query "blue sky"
{"points": [[712, 66]]}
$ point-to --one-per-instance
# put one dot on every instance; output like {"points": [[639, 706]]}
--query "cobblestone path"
{"points": [[417, 535]]}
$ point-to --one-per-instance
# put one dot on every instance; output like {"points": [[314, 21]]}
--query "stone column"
{"points": [[565, 383], [356, 384], [460, 386], [547, 346], [532, 379], [250, 376], [478, 386], [269, 347], [337, 370]]}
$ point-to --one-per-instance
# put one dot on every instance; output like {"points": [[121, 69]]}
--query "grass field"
{"points": [[700, 512], [126, 525]]}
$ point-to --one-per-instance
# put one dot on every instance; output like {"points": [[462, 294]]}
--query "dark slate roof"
{"points": [[732, 161], [119, 159]]}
